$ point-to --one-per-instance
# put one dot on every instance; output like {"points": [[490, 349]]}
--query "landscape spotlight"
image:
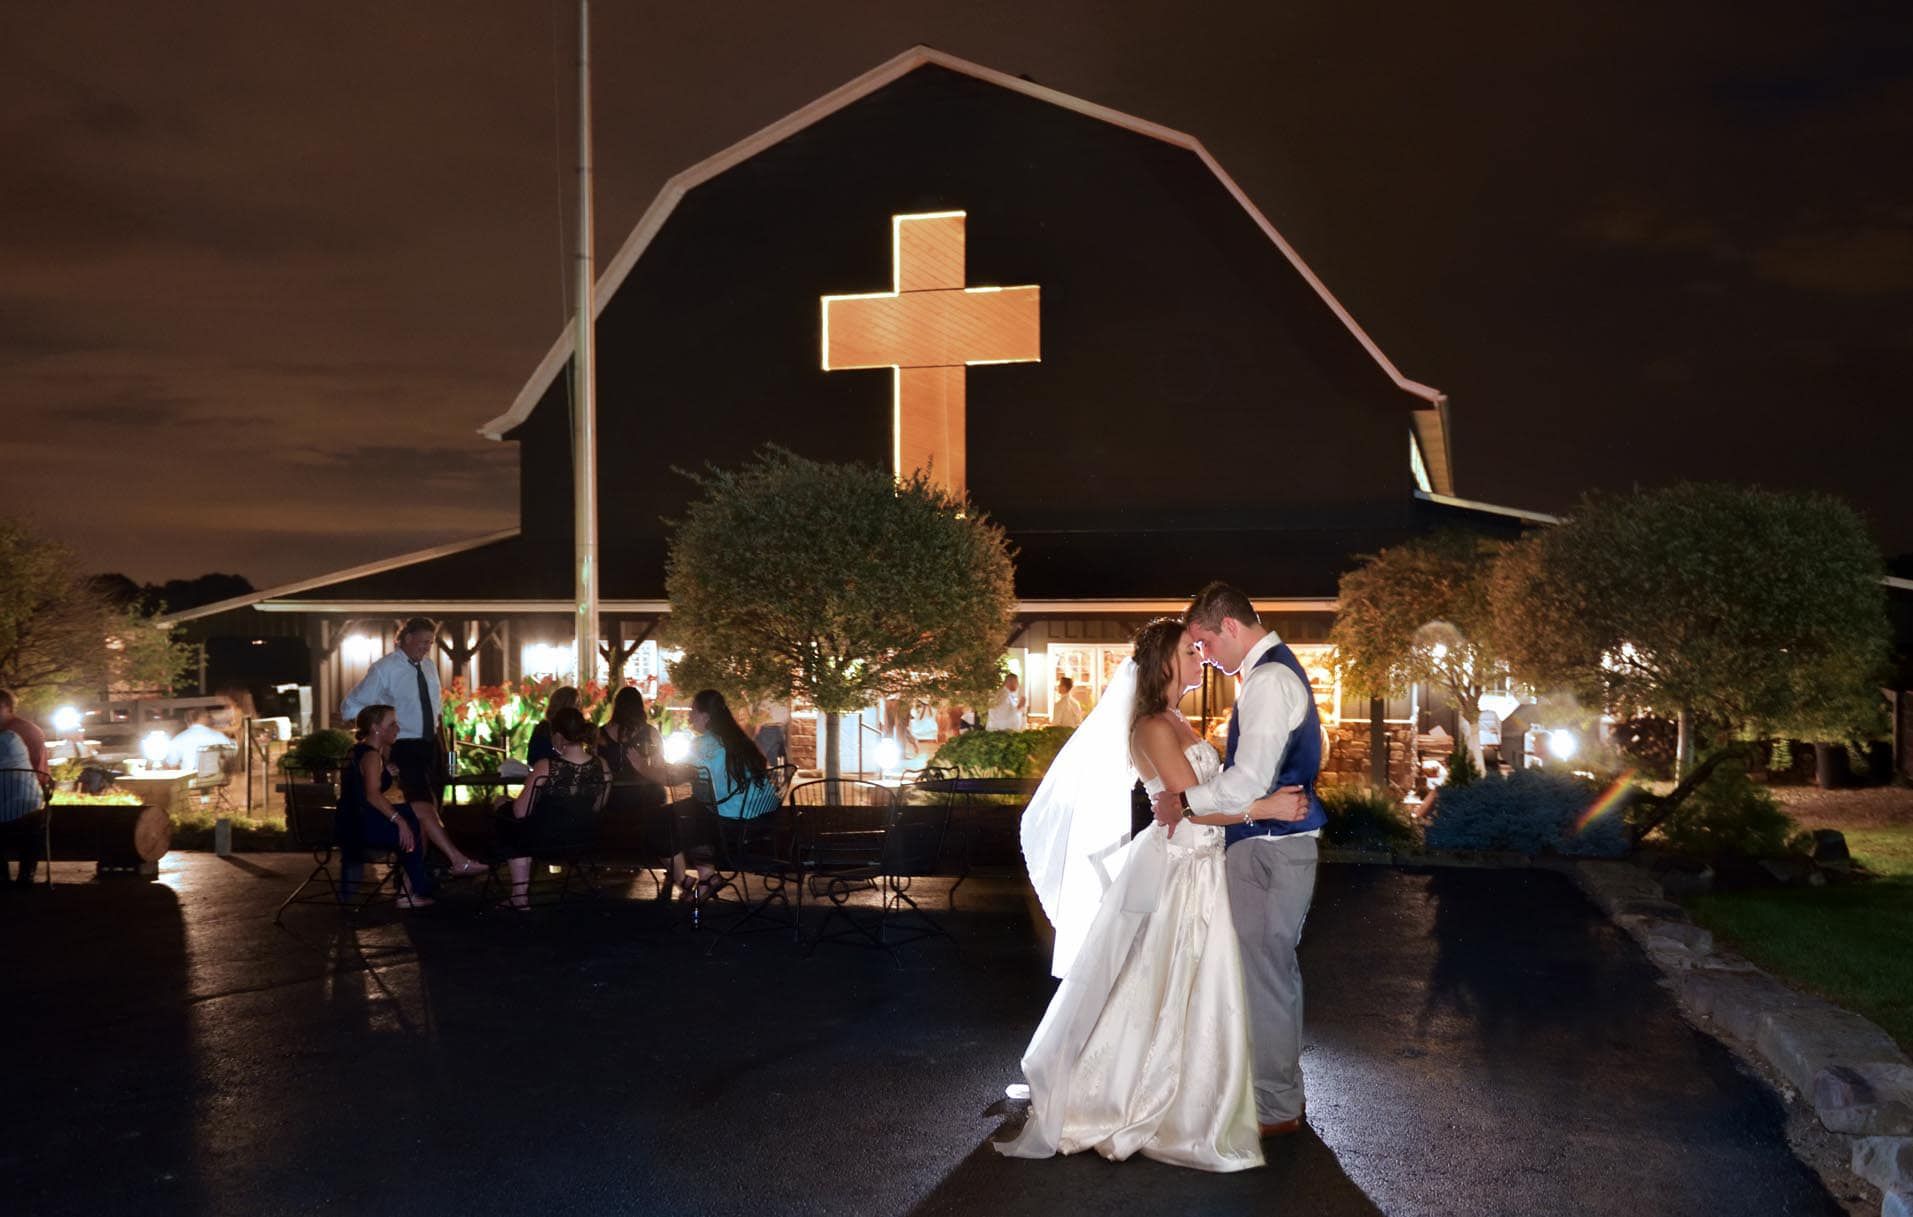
{"points": [[154, 747], [677, 746], [66, 719], [1561, 745], [889, 755]]}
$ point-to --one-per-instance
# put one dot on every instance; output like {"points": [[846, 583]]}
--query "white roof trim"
{"points": [[400, 608], [356, 572], [1448, 500], [667, 200]]}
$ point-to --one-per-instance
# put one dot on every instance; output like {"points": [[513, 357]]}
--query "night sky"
{"points": [[267, 267]]}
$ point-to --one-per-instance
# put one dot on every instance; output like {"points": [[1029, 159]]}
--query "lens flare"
{"points": [[1612, 799]]}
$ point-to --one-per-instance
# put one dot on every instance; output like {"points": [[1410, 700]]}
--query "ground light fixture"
{"points": [[153, 747], [1562, 745], [66, 719], [677, 747], [889, 755]]}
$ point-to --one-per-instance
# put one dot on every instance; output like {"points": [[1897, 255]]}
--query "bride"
{"points": [[1145, 1046]]}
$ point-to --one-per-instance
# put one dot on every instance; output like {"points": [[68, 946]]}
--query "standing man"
{"points": [[1006, 712], [1275, 740], [407, 680], [1068, 711]]}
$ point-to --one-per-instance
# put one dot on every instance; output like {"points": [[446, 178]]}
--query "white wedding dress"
{"points": [[1145, 1046]]}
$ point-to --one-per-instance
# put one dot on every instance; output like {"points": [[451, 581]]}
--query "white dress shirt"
{"points": [[1271, 705], [1068, 711], [182, 751], [1006, 714], [391, 682]]}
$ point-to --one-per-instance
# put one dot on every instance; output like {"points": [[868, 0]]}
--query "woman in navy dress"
{"points": [[368, 819]]}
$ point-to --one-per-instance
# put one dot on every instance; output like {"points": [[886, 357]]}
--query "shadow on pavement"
{"points": [[1302, 1177], [111, 1127]]}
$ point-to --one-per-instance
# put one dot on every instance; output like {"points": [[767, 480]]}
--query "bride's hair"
{"points": [[1156, 646]]}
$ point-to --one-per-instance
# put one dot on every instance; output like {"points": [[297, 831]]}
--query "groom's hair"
{"points": [[1216, 601]]}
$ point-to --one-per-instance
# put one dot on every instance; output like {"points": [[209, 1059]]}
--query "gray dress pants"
{"points": [[1271, 881]]}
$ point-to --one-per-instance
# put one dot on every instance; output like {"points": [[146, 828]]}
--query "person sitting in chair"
{"points": [[558, 808], [740, 789], [22, 822], [182, 751], [369, 817]]}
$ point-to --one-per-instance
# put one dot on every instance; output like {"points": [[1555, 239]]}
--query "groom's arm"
{"points": [[1271, 707]]}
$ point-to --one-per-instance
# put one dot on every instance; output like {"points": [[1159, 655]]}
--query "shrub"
{"points": [[1729, 814], [1362, 817], [1462, 770], [1531, 811], [319, 752], [1003, 754]]}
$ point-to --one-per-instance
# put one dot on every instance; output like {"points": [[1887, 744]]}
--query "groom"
{"points": [[1275, 740]]}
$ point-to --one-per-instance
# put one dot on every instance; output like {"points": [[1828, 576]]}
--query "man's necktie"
{"points": [[428, 718]]}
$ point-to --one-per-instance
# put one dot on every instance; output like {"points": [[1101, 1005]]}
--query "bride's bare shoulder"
{"points": [[1158, 731]]}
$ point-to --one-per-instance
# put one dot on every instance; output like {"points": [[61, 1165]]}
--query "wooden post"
{"points": [[1377, 743]]}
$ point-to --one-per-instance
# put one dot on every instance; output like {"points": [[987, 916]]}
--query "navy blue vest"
{"points": [[1301, 759]]}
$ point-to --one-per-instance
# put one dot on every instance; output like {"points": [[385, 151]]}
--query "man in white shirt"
{"points": [[1275, 743], [1068, 711], [1006, 713], [182, 751], [407, 680]]}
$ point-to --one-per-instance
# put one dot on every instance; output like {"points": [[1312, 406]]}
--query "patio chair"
{"points": [[573, 855], [762, 847], [841, 864], [26, 813], [312, 824], [212, 778]]}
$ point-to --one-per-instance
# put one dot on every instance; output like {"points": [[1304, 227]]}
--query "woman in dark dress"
{"points": [[565, 817], [564, 697], [368, 818]]}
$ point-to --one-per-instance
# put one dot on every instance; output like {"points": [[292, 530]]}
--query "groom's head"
{"points": [[1224, 622]]}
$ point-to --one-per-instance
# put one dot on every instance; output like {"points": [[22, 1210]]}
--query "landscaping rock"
{"points": [[1789, 872], [1885, 1162], [1656, 908], [1871, 1099], [1897, 1204], [1830, 846], [1801, 1041], [1739, 1003], [1680, 936]]}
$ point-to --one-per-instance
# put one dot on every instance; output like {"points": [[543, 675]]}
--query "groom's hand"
{"points": [[1168, 811]]}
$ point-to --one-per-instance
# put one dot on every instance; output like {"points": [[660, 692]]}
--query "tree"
{"points": [[1420, 611], [837, 584], [1747, 610], [60, 635]]}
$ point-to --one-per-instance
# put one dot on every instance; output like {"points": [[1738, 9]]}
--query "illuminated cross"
{"points": [[927, 329]]}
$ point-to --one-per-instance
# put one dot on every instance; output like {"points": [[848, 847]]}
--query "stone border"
{"points": [[1857, 1081], [1846, 1071]]}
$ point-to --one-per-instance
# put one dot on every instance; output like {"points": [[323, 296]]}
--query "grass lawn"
{"points": [[1852, 944]]}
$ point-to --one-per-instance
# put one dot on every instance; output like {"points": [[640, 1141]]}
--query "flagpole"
{"points": [[584, 413]]}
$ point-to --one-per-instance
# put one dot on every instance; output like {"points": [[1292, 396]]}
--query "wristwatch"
{"points": [[1182, 801]]}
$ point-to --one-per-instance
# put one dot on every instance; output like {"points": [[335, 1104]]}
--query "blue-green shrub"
{"points": [[1532, 811]]}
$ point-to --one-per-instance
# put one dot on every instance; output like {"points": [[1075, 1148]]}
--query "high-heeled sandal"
{"points": [[468, 868]]}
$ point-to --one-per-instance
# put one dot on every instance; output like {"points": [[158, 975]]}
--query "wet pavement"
{"points": [[1479, 1042]]}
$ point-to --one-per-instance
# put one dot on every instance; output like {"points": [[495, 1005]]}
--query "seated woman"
{"points": [[575, 782], [740, 789], [630, 745], [564, 697], [370, 819]]}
